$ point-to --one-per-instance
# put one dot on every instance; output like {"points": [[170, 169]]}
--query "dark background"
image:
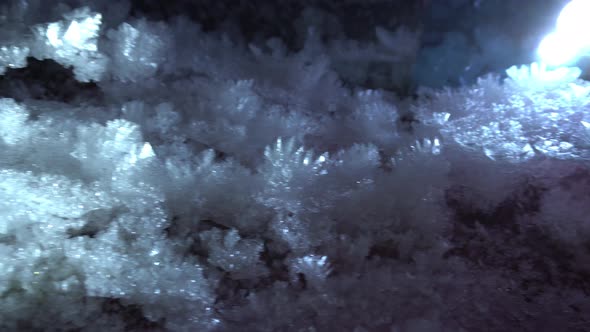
{"points": [[460, 40]]}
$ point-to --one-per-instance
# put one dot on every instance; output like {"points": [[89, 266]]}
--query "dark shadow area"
{"points": [[47, 80], [265, 19]]}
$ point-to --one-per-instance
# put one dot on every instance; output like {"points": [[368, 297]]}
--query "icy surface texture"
{"points": [[82, 244], [13, 57], [138, 50], [72, 42], [536, 111], [218, 185]]}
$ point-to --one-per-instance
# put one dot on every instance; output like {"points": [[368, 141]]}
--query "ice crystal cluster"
{"points": [[212, 185]]}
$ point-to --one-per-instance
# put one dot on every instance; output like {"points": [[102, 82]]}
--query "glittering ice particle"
{"points": [[73, 42]]}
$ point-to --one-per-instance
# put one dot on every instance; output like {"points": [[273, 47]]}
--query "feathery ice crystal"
{"points": [[220, 186]]}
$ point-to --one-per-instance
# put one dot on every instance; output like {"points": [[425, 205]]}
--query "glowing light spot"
{"points": [[569, 41], [558, 49], [574, 17]]}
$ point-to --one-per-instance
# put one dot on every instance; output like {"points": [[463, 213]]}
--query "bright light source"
{"points": [[570, 39], [574, 17], [559, 49]]}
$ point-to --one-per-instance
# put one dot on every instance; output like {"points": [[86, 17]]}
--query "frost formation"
{"points": [[217, 186]]}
